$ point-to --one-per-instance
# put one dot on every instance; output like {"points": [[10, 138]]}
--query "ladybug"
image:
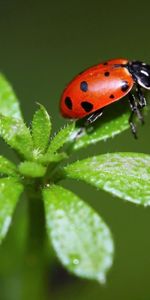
{"points": [[98, 86]]}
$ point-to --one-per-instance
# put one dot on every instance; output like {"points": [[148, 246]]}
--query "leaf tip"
{"points": [[38, 103], [101, 278]]}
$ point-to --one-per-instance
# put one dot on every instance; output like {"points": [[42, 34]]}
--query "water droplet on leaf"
{"points": [[75, 261]]}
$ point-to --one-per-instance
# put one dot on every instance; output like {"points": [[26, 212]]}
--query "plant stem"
{"points": [[35, 262]]}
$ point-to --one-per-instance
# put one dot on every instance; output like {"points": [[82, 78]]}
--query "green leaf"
{"points": [[10, 191], [126, 175], [9, 105], [103, 131], [62, 137], [17, 135], [41, 129], [46, 159], [7, 167], [31, 169], [79, 236]]}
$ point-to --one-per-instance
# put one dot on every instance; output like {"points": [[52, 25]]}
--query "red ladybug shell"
{"points": [[96, 88]]}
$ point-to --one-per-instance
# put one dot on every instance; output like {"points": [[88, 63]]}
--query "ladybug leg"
{"points": [[79, 133], [142, 100], [135, 110], [93, 117], [135, 107], [132, 125]]}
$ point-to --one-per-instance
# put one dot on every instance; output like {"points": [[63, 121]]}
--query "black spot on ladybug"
{"points": [[87, 106], [125, 86], [105, 63], [106, 74], [68, 102], [111, 96], [84, 86]]}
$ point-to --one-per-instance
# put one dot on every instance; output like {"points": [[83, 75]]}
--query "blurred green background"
{"points": [[43, 44]]}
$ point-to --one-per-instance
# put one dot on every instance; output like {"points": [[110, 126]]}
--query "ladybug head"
{"points": [[140, 72]]}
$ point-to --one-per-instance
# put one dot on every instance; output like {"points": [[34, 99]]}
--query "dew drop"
{"points": [[47, 185], [76, 261]]}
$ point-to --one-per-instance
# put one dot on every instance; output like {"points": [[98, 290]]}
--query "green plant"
{"points": [[79, 236]]}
